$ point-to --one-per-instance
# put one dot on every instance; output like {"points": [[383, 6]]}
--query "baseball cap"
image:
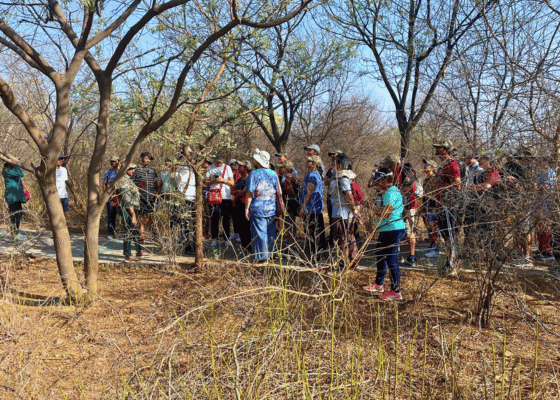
{"points": [[313, 147], [114, 158]]}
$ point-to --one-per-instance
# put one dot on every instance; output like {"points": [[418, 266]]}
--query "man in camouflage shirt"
{"points": [[129, 202]]}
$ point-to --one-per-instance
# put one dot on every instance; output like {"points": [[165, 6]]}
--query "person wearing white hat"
{"points": [[315, 150], [263, 196]]}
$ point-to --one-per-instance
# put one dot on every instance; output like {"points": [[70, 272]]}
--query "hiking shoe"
{"points": [[373, 288], [410, 261], [391, 296], [525, 262], [366, 268], [131, 259], [432, 253], [214, 243], [547, 257]]}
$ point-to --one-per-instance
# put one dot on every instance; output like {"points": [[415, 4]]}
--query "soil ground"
{"points": [[230, 330]]}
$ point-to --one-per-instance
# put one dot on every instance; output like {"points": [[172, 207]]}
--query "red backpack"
{"points": [[357, 193]]}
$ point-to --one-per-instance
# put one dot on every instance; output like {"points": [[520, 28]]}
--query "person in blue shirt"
{"points": [[311, 211], [392, 230], [263, 193], [14, 196]]}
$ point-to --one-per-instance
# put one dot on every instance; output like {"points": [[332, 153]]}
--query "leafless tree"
{"points": [[60, 39]]}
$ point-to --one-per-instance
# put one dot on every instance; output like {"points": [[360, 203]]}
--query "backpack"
{"points": [[357, 193]]}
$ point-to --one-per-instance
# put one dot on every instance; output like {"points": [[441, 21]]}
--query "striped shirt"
{"points": [[145, 178]]}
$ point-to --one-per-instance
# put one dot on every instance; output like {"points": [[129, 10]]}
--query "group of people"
{"points": [[261, 196]]}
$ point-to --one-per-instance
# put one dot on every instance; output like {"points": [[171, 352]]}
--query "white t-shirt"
{"points": [[186, 179], [214, 172], [61, 178]]}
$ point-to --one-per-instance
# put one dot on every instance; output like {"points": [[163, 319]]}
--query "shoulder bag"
{"points": [[215, 195]]}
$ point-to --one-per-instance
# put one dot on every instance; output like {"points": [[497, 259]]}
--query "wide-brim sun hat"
{"points": [[430, 163], [389, 161], [262, 157], [446, 144]]}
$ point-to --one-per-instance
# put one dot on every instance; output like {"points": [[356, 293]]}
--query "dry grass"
{"points": [[232, 331]]}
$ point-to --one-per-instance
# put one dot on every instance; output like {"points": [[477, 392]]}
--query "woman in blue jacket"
{"points": [[14, 196]]}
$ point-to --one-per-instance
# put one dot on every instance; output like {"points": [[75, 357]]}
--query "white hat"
{"points": [[313, 147], [262, 157], [233, 161]]}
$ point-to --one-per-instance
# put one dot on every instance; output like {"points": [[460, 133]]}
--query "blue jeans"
{"points": [[111, 218], [388, 254], [64, 203], [263, 231]]}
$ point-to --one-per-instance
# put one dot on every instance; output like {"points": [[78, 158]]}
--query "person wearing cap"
{"points": [[392, 230], [108, 179], [220, 177], [449, 183], [345, 211], [315, 150], [290, 194], [239, 193], [149, 185], [62, 182], [282, 158], [311, 211], [263, 196], [129, 203]]}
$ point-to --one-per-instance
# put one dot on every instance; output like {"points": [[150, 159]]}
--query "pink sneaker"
{"points": [[374, 288], [391, 296]]}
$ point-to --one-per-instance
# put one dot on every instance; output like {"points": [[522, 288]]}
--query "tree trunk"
{"points": [[91, 247], [94, 208], [61, 239], [404, 132], [199, 237]]}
